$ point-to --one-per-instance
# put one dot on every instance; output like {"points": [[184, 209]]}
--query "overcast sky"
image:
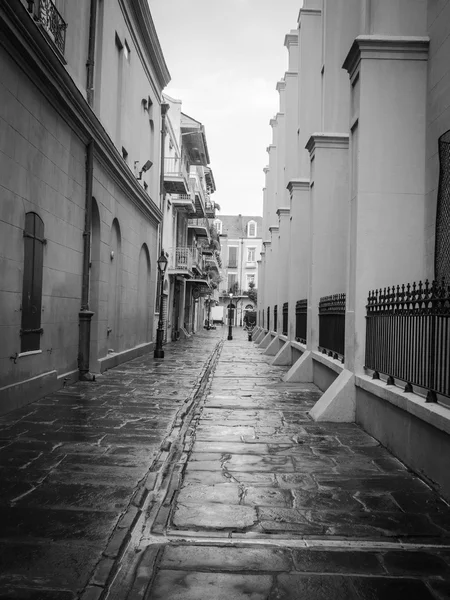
{"points": [[225, 58]]}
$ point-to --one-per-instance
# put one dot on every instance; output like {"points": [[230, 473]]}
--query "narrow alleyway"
{"points": [[202, 477]]}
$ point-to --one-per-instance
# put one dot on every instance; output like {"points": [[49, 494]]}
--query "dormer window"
{"points": [[218, 226], [251, 229]]}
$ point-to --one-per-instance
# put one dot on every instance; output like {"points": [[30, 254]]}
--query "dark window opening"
{"points": [[32, 283], [442, 249]]}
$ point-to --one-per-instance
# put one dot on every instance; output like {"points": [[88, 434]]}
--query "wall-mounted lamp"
{"points": [[145, 168]]}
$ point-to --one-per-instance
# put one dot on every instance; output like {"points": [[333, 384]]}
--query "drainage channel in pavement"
{"points": [[154, 495]]}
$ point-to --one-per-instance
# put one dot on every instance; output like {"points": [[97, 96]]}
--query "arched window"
{"points": [[251, 229], [34, 241], [442, 249]]}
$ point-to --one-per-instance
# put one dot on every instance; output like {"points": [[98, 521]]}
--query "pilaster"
{"points": [[387, 147]]}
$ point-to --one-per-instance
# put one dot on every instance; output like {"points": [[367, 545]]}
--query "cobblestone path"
{"points": [[201, 477]]}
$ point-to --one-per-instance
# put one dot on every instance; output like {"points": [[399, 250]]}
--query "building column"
{"points": [[283, 261], [388, 76], [328, 223], [298, 246]]}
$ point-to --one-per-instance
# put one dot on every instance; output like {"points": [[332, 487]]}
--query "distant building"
{"points": [[188, 237], [241, 244]]}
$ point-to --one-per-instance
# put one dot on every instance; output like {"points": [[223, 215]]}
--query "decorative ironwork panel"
{"points": [[275, 317], [301, 315], [442, 250], [53, 23], [407, 335], [332, 325], [285, 318]]}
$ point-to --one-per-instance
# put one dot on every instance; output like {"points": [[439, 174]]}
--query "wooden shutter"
{"points": [[32, 283]]}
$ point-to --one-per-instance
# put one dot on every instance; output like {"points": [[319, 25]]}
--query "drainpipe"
{"points": [[85, 315], [91, 54], [164, 108]]}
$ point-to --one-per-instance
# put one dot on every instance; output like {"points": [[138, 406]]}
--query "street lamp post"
{"points": [[209, 312], [162, 265], [230, 325]]}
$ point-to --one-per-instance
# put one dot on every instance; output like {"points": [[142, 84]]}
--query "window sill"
{"points": [[29, 353]]}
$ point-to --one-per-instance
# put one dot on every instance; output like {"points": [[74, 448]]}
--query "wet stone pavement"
{"points": [[202, 477]]}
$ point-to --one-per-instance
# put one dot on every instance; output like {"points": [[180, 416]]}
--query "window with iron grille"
{"points": [[32, 283], [442, 249]]}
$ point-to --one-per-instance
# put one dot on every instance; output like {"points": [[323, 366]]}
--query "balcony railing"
{"points": [[332, 325], [285, 319], [46, 13], [408, 337], [301, 315], [187, 258], [201, 224]]}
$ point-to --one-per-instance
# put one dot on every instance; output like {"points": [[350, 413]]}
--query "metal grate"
{"points": [[301, 314], [285, 318], [408, 335], [332, 325], [442, 250]]}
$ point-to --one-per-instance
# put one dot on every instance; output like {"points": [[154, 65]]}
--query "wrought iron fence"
{"points": [[407, 336], [285, 318], [301, 307], [268, 318], [275, 317], [332, 325]]}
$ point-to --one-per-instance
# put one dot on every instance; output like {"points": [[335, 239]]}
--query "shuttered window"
{"points": [[232, 256], [32, 283]]}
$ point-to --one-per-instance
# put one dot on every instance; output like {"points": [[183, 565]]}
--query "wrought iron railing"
{"points": [[46, 13], [285, 319], [187, 258], [176, 166], [332, 325], [268, 318], [275, 317], [301, 307], [408, 336]]}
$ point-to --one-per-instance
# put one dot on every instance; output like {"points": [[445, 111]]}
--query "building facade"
{"points": [[80, 200], [188, 236], [355, 269], [241, 244]]}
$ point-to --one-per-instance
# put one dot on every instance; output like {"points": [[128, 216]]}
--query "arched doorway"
{"points": [[143, 296], [114, 288]]}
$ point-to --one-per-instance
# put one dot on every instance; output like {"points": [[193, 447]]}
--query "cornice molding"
{"points": [[281, 85], [267, 243], [308, 12], [273, 122], [20, 38], [266, 169], [274, 229], [145, 21], [298, 184], [291, 74], [283, 212], [291, 39], [378, 47], [327, 140]]}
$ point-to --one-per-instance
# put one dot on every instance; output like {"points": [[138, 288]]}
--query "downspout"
{"points": [[162, 193], [164, 109], [85, 315], [91, 54]]}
